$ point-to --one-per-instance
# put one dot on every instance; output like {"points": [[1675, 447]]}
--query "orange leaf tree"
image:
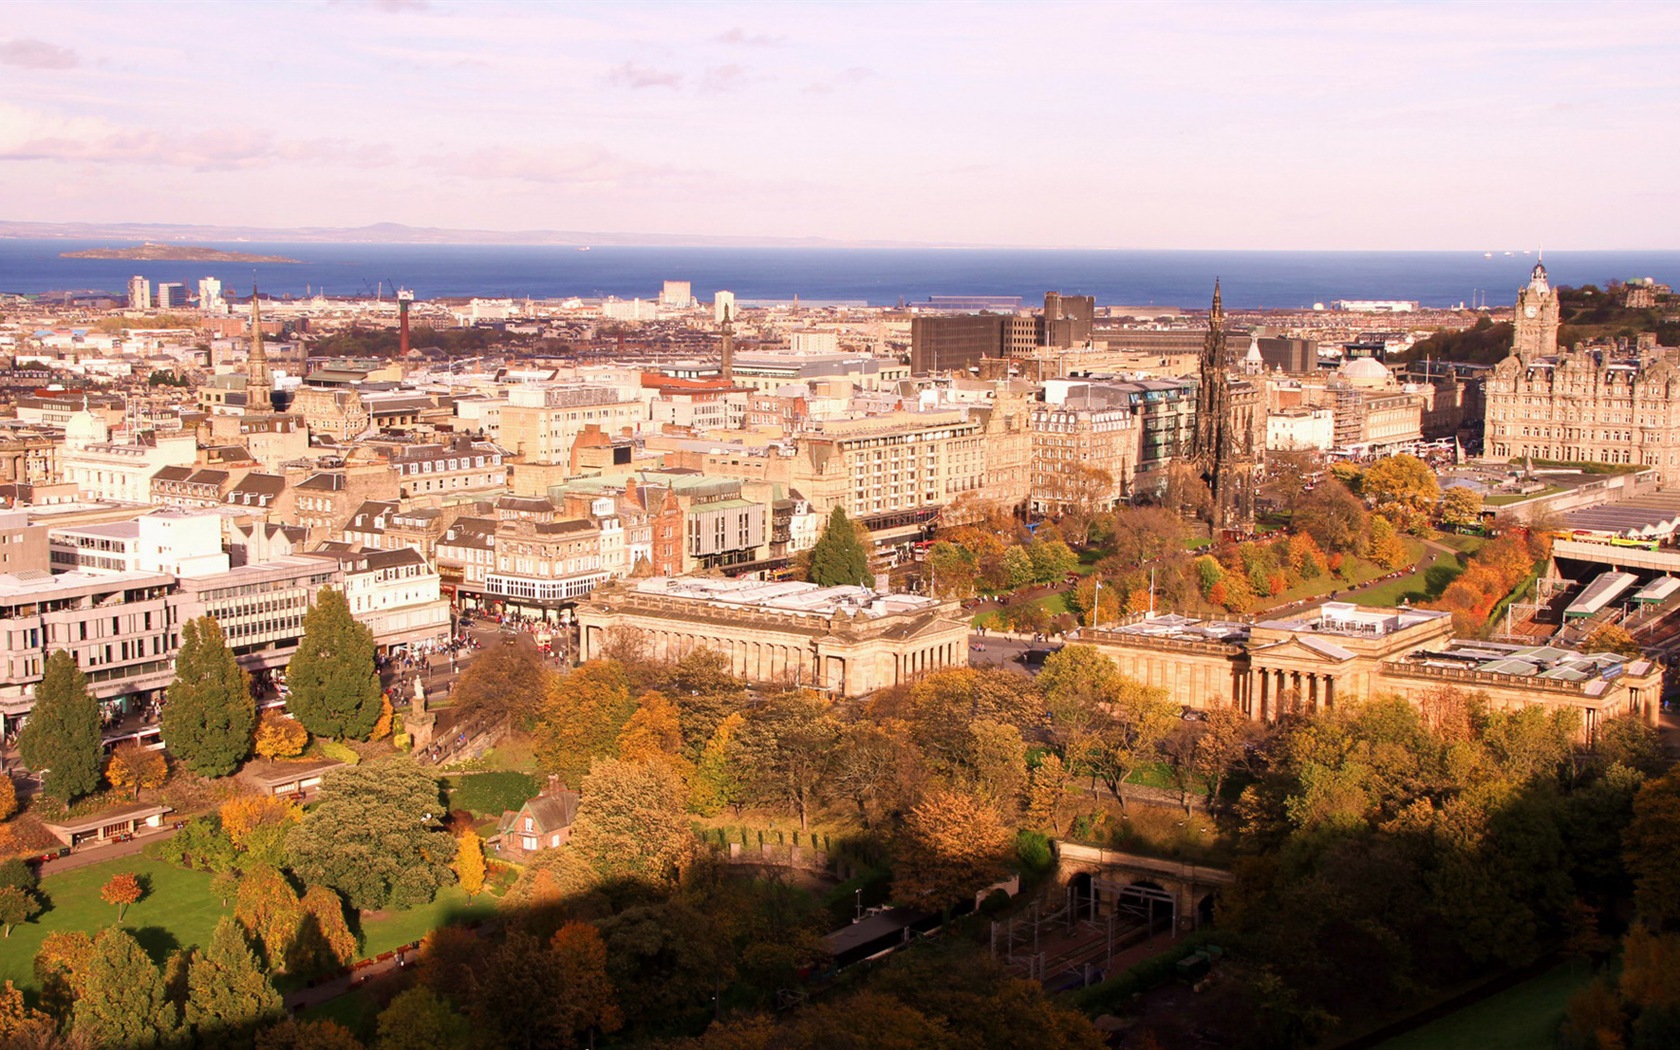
{"points": [[122, 890], [280, 737]]}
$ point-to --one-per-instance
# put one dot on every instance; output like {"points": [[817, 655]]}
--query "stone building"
{"points": [[1341, 654], [1226, 448], [848, 640], [1605, 404]]}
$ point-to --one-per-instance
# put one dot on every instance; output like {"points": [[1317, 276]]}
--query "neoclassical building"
{"points": [[849, 640], [1341, 654], [1587, 405]]}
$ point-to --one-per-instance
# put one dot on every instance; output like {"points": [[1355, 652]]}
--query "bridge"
{"points": [[1101, 881]]}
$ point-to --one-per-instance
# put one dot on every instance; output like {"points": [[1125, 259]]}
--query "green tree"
{"points": [[375, 835], [228, 996], [209, 717], [840, 558], [631, 821], [419, 1019], [1051, 559], [17, 905], [1652, 850], [335, 688], [1384, 545], [61, 738], [1017, 568], [122, 1001]]}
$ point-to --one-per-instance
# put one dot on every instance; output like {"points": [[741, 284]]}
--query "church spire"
{"points": [[258, 382], [728, 364]]}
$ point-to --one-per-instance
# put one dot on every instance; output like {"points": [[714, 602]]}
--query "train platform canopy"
{"points": [[1652, 517], [1658, 590], [1599, 593]]}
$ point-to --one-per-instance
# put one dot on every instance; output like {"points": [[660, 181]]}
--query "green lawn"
{"points": [[356, 1010], [1525, 1017], [489, 794], [1055, 604], [1425, 585], [1462, 543], [1363, 572], [398, 928], [177, 912]]}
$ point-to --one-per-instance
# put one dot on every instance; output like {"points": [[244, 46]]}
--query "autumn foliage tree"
{"points": [[504, 681], [132, 766], [280, 736], [952, 846], [582, 716], [121, 890], [469, 863]]}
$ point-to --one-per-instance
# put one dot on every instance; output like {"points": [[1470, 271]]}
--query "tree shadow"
{"points": [[158, 942]]}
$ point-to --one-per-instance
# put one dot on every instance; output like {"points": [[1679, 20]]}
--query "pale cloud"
{"points": [[635, 76], [742, 38], [848, 77], [723, 78], [576, 166], [29, 53], [35, 135]]}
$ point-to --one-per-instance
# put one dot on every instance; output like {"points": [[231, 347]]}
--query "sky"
{"points": [[1096, 125]]}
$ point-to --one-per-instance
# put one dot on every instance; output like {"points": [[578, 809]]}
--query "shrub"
{"points": [[1032, 851], [335, 750]]}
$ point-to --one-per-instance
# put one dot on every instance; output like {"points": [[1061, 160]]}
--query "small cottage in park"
{"points": [[544, 822], [113, 825]]}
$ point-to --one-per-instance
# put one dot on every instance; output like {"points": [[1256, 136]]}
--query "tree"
{"points": [[244, 814], [122, 1000], [61, 738], [382, 724], [17, 905], [953, 845], [280, 736], [666, 959], [1139, 718], [1403, 488], [1333, 516], [61, 968], [132, 766], [209, 715], [1461, 505], [580, 957], [293, 1034], [582, 717], [228, 997], [22, 1027], [374, 835], [840, 557], [653, 734], [323, 940], [786, 748], [469, 863], [8, 796], [419, 1019], [1652, 850], [1047, 789], [335, 688], [121, 890], [1612, 638], [717, 782], [1051, 560], [631, 822], [1385, 546], [268, 908], [504, 681]]}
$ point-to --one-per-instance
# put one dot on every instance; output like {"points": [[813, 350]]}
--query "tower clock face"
{"points": [[1531, 311]]}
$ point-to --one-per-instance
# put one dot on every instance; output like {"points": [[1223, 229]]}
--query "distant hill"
{"points": [[398, 233], [150, 252]]}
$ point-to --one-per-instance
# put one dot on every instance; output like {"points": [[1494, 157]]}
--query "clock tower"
{"points": [[1537, 319]]}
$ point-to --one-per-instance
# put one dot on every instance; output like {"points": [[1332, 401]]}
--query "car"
{"points": [[1192, 714]]}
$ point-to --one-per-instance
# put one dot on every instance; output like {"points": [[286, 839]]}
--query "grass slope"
{"points": [[1525, 1017]]}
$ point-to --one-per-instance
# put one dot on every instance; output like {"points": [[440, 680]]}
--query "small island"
{"points": [[174, 253]]}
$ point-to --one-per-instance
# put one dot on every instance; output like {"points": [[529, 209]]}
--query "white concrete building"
{"points": [[1298, 429]]}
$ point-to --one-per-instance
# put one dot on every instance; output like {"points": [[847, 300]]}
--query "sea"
{"points": [[870, 276]]}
